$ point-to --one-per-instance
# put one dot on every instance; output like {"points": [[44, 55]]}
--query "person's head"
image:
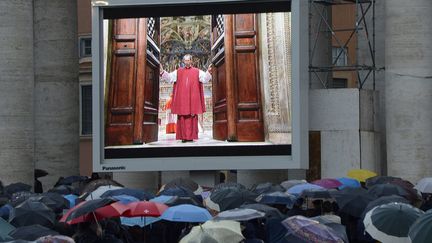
{"points": [[187, 59]]}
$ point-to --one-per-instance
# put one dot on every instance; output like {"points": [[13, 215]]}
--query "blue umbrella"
{"points": [[277, 198], [186, 213], [140, 194], [297, 189], [140, 221], [125, 199], [162, 199], [72, 199], [348, 182]]}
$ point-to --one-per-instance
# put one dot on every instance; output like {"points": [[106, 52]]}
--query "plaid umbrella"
{"points": [[391, 222], [310, 230], [421, 230]]}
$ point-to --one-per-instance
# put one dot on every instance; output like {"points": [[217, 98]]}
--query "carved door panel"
{"points": [[133, 92], [236, 83]]}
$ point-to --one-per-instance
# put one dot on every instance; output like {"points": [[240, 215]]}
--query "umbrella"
{"points": [[140, 194], [71, 179], [115, 209], [84, 208], [145, 208], [387, 190], [30, 212], [421, 230], [328, 183], [290, 183], [226, 231], [267, 187], [16, 187], [52, 200], [125, 199], [269, 211], [31, 232], [360, 174], [348, 182], [175, 200], [424, 185], [186, 213], [40, 173], [71, 199], [95, 184], [297, 189], [310, 230], [239, 214], [161, 199], [316, 194], [338, 228], [177, 191], [391, 222], [5, 229], [277, 198], [384, 200], [352, 201], [232, 185], [379, 180], [96, 194], [185, 183], [64, 190], [19, 197], [138, 221], [229, 198]]}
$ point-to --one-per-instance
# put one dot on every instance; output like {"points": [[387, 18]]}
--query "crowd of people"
{"points": [[81, 209]]}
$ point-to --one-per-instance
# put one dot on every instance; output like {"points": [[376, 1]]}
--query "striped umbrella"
{"points": [[391, 222]]}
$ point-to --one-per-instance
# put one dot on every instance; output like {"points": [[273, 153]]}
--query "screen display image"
{"points": [[204, 82]]}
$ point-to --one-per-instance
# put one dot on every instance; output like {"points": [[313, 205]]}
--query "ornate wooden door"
{"points": [[133, 83], [236, 80]]}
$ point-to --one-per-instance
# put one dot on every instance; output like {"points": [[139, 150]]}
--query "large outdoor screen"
{"points": [[197, 86]]}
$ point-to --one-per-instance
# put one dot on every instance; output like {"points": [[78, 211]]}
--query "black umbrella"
{"points": [[179, 191], [16, 187], [139, 194], [182, 182], [52, 200], [269, 211], [71, 179], [175, 200], [387, 190], [65, 190], [30, 212], [229, 198], [275, 231], [376, 180], [352, 201], [316, 194], [19, 197], [31, 232], [267, 187], [40, 173], [384, 200], [233, 185], [88, 207]]}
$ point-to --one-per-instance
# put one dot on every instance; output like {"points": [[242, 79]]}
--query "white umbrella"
{"points": [[101, 190], [424, 185], [239, 214], [224, 231]]}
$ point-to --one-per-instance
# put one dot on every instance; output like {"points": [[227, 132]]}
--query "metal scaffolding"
{"points": [[363, 10]]}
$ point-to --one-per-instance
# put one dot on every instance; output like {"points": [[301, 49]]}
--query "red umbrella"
{"points": [[145, 208]]}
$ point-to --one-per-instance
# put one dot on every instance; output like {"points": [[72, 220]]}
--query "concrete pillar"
{"points": [[16, 91], [409, 88], [138, 180], [56, 89]]}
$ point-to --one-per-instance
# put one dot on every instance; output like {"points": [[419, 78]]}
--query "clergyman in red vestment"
{"points": [[188, 97]]}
